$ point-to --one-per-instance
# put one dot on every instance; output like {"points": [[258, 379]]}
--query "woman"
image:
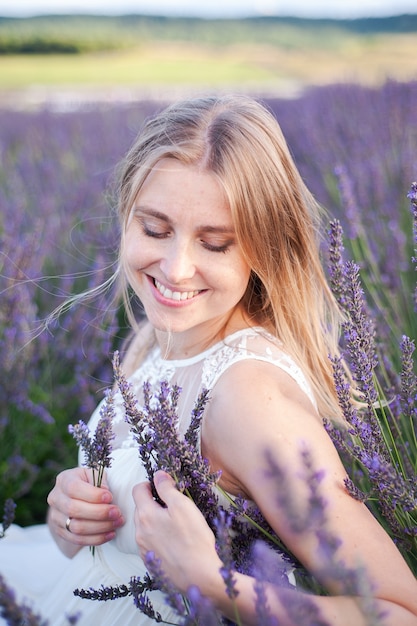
{"points": [[219, 243]]}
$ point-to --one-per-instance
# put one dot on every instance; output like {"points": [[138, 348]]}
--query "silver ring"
{"points": [[67, 524]]}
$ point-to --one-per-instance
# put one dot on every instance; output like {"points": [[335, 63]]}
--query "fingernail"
{"points": [[106, 497], [119, 522], [110, 536], [114, 514]]}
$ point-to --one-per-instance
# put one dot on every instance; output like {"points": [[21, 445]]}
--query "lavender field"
{"points": [[356, 148]]}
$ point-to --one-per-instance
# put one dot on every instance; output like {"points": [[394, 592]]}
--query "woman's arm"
{"points": [[239, 426], [181, 538]]}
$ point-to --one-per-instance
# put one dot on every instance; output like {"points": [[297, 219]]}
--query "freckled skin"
{"points": [[182, 236]]}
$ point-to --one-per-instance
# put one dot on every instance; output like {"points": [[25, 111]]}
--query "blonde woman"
{"points": [[220, 245]]}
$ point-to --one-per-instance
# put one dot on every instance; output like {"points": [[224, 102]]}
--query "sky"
{"points": [[213, 8]]}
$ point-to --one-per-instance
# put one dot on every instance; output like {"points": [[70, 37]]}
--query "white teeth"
{"points": [[174, 295]]}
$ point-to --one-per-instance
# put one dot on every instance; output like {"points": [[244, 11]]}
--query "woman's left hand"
{"points": [[177, 534]]}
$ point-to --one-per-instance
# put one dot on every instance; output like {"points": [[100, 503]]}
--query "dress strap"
{"points": [[254, 344]]}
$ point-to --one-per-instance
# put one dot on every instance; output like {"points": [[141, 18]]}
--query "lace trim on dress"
{"points": [[201, 372], [216, 364]]}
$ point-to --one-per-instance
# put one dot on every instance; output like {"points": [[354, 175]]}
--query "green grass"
{"points": [[157, 65]]}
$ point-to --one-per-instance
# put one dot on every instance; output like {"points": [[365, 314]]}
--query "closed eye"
{"points": [[156, 234], [225, 247]]}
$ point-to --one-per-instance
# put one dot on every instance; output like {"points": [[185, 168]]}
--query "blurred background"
{"points": [[69, 52], [77, 80]]}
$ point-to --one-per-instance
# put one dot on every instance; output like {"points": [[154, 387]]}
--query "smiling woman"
{"points": [[220, 247]]}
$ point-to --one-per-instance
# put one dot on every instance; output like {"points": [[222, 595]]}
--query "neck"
{"points": [[194, 341]]}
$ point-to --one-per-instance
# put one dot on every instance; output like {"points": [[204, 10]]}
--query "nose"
{"points": [[178, 264]]}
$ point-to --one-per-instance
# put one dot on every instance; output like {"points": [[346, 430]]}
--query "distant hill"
{"points": [[406, 23], [72, 34]]}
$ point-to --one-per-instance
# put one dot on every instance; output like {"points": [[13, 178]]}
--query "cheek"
{"points": [[135, 252], [239, 274]]}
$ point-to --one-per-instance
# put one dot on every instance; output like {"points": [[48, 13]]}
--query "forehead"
{"points": [[172, 186]]}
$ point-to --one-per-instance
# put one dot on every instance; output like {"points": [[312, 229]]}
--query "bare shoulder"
{"points": [[254, 386], [254, 407]]}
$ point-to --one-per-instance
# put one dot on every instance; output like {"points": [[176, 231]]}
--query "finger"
{"points": [[73, 484], [165, 486], [87, 532], [142, 493], [78, 485], [81, 509]]}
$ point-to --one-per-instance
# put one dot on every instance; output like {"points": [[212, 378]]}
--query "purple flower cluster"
{"points": [[379, 443], [412, 194], [16, 613], [8, 516], [97, 449], [154, 427]]}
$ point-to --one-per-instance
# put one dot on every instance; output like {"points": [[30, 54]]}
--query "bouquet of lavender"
{"points": [[97, 448], [154, 427]]}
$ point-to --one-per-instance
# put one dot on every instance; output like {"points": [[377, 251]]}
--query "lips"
{"points": [[175, 295]]}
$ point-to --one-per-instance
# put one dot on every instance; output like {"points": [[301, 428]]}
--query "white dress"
{"points": [[29, 559]]}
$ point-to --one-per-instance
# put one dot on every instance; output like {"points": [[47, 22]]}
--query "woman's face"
{"points": [[181, 254]]}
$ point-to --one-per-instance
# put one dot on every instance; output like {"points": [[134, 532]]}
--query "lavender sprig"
{"points": [[134, 587], [174, 599], [137, 588], [412, 195], [267, 569], [97, 448], [223, 525], [201, 609], [8, 516], [17, 613]]}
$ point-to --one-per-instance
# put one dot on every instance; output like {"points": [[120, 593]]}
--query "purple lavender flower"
{"points": [[201, 609], [381, 441], [8, 516], [408, 395], [99, 456], [223, 525], [412, 194], [81, 434], [16, 613], [97, 450], [172, 596], [337, 270]]}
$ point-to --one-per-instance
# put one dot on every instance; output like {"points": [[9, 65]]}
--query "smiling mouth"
{"points": [[174, 295]]}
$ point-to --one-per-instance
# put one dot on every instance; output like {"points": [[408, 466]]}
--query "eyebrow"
{"points": [[209, 228]]}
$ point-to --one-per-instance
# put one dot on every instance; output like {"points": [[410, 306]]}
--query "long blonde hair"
{"points": [[276, 218]]}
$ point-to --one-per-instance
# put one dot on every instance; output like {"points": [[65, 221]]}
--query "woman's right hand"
{"points": [[93, 517]]}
